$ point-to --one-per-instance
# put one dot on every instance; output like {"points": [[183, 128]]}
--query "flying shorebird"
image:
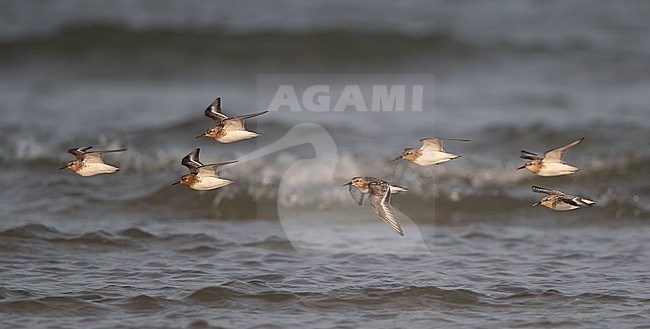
{"points": [[560, 201], [430, 153], [227, 129], [379, 197], [90, 163], [551, 163], [202, 177]]}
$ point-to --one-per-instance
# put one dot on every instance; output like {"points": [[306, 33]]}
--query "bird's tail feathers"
{"points": [[396, 188], [585, 202]]}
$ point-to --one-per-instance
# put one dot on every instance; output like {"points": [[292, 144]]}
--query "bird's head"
{"points": [[212, 132], [73, 165], [408, 154], [526, 165], [188, 180], [356, 182]]}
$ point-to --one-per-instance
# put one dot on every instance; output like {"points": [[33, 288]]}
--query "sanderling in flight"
{"points": [[430, 153], [90, 163], [560, 201], [551, 163], [227, 129], [202, 177], [379, 198]]}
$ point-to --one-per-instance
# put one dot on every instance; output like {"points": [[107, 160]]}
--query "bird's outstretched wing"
{"points": [[530, 155], [557, 154], [544, 190], [94, 157], [237, 123], [97, 156], [380, 201], [211, 169], [433, 144], [356, 194], [79, 152], [233, 124], [83, 154], [215, 113], [191, 161], [108, 151]]}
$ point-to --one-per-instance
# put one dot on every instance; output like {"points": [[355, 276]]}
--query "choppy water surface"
{"points": [[246, 273], [285, 246]]}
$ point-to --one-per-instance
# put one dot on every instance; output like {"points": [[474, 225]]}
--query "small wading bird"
{"points": [[90, 163], [430, 153], [560, 201], [551, 163], [379, 198], [227, 129], [202, 177]]}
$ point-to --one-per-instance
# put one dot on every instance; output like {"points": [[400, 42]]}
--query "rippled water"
{"points": [[246, 273], [285, 246]]}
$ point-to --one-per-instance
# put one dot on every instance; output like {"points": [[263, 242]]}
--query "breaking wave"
{"points": [[299, 178]]}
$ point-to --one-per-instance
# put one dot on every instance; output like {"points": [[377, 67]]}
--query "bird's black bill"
{"points": [[522, 167], [64, 167], [536, 204], [200, 136], [399, 157], [176, 183], [346, 184]]}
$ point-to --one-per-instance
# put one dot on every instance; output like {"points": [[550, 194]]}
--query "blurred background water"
{"points": [[129, 250]]}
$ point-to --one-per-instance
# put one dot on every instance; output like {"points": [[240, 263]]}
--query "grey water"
{"points": [[285, 246]]}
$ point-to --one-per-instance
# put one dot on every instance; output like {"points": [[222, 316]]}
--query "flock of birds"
{"points": [[231, 129]]}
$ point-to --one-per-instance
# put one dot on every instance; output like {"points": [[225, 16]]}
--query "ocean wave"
{"points": [[303, 178], [555, 294], [144, 303], [618, 161], [323, 41], [53, 305], [29, 231], [232, 293], [115, 41], [445, 191], [258, 295], [38, 235]]}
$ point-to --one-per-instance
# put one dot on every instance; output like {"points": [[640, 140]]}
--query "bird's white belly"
{"points": [[237, 135], [96, 168], [431, 158], [562, 206], [210, 183], [556, 169]]}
